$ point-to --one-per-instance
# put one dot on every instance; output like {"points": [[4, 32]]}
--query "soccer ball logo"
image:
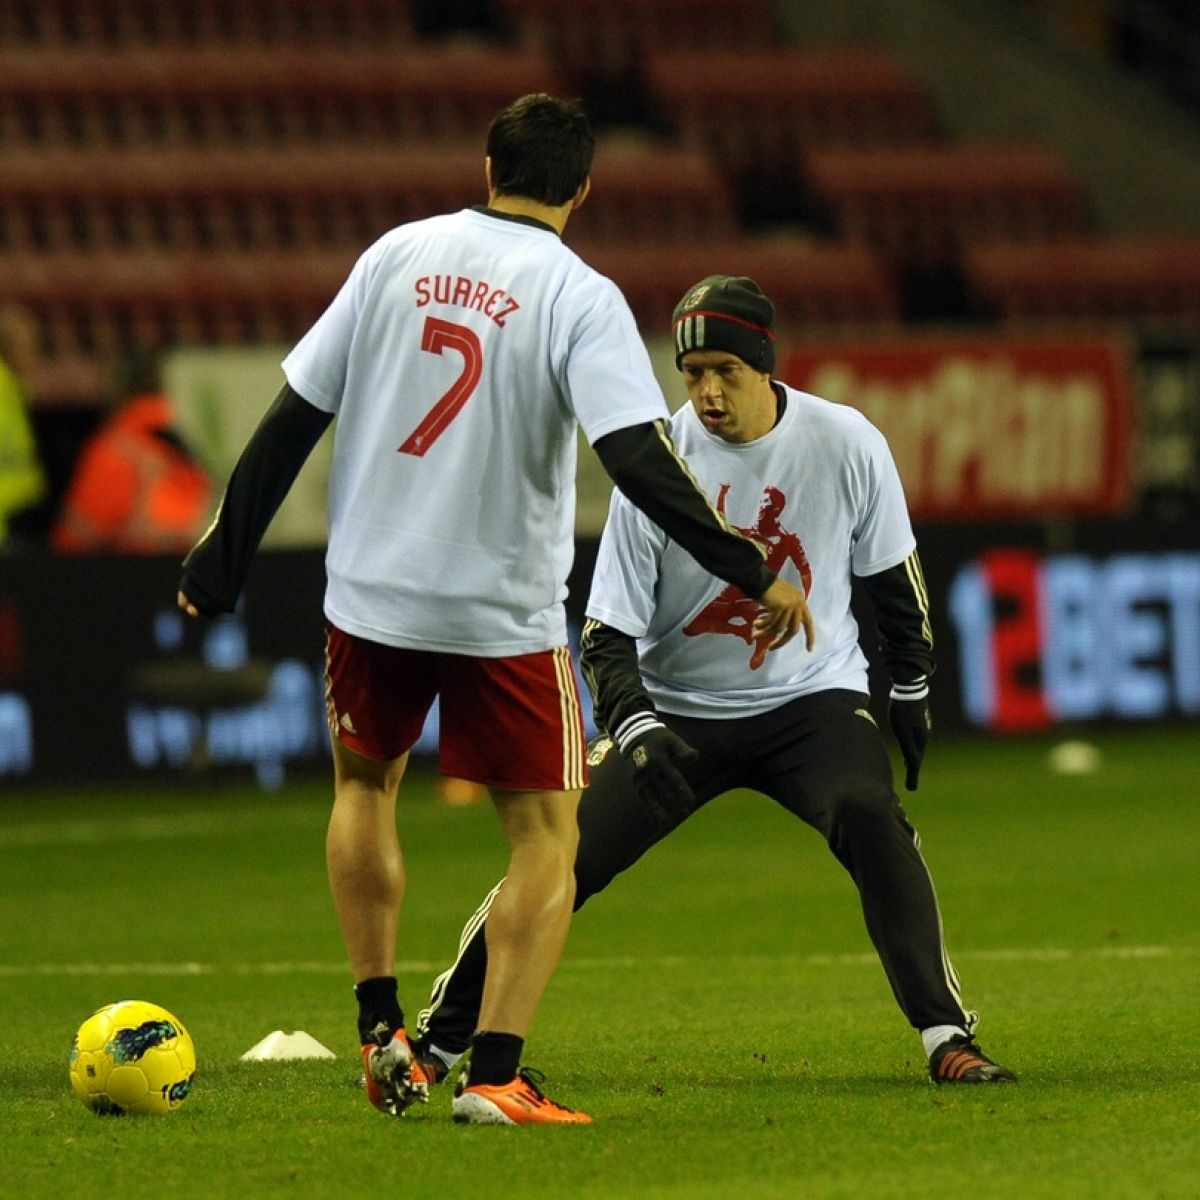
{"points": [[132, 1057]]}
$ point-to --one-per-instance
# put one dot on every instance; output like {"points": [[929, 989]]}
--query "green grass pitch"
{"points": [[719, 1010]]}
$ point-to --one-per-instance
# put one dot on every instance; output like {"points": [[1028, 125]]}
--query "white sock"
{"points": [[935, 1035], [447, 1057]]}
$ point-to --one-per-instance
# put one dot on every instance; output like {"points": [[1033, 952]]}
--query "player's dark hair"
{"points": [[541, 148]]}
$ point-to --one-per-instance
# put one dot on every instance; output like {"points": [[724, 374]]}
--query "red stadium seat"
{"points": [[768, 103], [1140, 279], [606, 37], [918, 205], [757, 111], [218, 198], [253, 94], [650, 192], [341, 196], [815, 286], [153, 23], [97, 303]]}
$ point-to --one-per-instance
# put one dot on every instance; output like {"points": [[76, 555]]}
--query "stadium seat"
{"points": [[220, 198], [653, 192], [95, 305], [338, 196], [816, 286], [71, 382], [253, 94], [750, 105], [151, 23], [598, 44], [757, 112], [1140, 279], [606, 36], [918, 205]]}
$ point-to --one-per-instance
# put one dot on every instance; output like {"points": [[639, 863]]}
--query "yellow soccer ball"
{"points": [[132, 1057]]}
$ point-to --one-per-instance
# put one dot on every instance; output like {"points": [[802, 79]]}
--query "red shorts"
{"points": [[506, 722]]}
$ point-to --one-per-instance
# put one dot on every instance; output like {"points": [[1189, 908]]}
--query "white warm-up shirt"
{"points": [[459, 358], [820, 492]]}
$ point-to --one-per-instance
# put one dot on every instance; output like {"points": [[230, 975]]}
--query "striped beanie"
{"points": [[726, 312]]}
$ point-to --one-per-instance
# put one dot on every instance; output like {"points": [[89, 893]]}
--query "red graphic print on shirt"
{"points": [[733, 611]]}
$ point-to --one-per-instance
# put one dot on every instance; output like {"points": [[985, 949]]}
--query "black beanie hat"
{"points": [[726, 312]]}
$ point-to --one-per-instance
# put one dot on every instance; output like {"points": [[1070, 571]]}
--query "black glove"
{"points": [[908, 714], [655, 754]]}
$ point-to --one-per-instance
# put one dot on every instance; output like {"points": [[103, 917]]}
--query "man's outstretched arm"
{"points": [[643, 462], [214, 570]]}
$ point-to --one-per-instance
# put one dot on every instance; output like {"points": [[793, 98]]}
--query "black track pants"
{"points": [[823, 758]]}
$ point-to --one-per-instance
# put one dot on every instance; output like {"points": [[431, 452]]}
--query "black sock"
{"points": [[378, 1005], [495, 1057]]}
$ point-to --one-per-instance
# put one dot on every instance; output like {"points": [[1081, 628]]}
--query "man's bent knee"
{"points": [[539, 817]]}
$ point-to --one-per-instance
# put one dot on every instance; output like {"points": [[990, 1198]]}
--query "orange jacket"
{"points": [[134, 490]]}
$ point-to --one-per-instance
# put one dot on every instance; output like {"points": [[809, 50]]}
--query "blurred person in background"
{"points": [[22, 478], [461, 357], [137, 488], [459, 793], [691, 705]]}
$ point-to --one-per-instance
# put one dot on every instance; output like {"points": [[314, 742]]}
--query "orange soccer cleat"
{"points": [[521, 1101]]}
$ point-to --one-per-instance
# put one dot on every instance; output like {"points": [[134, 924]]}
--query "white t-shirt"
{"points": [[821, 493], [459, 357]]}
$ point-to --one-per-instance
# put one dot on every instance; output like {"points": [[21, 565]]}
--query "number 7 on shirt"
{"points": [[437, 336]]}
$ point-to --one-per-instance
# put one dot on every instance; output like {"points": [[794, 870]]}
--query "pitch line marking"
{"points": [[154, 828], [302, 967]]}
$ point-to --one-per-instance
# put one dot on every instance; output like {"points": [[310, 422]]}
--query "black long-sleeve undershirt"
{"points": [[609, 662], [901, 602], [640, 459], [215, 569]]}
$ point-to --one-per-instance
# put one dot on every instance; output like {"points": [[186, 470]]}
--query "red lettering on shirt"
{"points": [[511, 307], [460, 291]]}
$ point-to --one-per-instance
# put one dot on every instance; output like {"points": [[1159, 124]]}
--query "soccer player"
{"points": [[691, 706], [459, 358]]}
